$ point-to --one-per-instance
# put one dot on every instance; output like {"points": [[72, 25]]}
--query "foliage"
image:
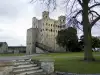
{"points": [[95, 42], [68, 38]]}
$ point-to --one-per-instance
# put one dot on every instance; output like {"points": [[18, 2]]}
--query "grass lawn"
{"points": [[71, 62], [21, 54]]}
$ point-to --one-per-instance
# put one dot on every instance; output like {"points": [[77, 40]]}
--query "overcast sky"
{"points": [[16, 18]]}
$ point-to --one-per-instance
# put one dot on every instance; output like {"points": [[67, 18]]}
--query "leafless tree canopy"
{"points": [[74, 10]]}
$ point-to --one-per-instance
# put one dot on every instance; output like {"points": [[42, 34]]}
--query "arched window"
{"points": [[51, 30], [41, 30], [46, 23], [60, 26], [46, 29]]}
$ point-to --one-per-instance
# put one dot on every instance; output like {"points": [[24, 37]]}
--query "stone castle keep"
{"points": [[44, 32]]}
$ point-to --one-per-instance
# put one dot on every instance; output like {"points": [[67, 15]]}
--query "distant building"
{"points": [[4, 48], [44, 31], [17, 49]]}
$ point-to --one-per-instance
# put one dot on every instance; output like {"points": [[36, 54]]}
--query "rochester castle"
{"points": [[43, 34]]}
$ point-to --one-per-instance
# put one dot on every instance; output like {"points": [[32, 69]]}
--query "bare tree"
{"points": [[82, 13]]}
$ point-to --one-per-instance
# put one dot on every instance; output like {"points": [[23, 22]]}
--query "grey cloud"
{"points": [[11, 8], [1, 30], [11, 41], [9, 37], [7, 8], [96, 30], [5, 37], [14, 15]]}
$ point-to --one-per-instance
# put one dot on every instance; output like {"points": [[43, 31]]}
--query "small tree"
{"points": [[68, 38], [95, 42]]}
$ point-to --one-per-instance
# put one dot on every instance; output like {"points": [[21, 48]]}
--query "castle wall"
{"points": [[47, 32], [31, 40]]}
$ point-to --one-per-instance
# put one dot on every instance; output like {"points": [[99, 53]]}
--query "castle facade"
{"points": [[44, 31]]}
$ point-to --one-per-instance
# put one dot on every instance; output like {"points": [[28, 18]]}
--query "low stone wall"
{"points": [[46, 64]]}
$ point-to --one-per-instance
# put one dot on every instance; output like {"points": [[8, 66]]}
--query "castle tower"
{"points": [[31, 40], [32, 36], [62, 19], [34, 22], [45, 14], [62, 22]]}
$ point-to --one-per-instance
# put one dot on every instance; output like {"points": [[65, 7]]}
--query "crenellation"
{"points": [[34, 22], [45, 14]]}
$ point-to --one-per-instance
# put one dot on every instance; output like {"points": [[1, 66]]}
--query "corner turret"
{"points": [[34, 22], [45, 14], [62, 19]]}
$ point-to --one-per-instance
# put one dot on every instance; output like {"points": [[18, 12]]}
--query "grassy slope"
{"points": [[71, 62]]}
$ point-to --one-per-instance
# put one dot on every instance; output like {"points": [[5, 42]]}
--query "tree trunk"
{"points": [[88, 56], [67, 49]]}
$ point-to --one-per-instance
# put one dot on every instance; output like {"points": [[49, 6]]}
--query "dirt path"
{"points": [[4, 67]]}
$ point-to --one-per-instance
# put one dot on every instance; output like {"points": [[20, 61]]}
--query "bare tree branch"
{"points": [[80, 2], [97, 4], [33, 1], [95, 1], [92, 16], [94, 21], [73, 5], [66, 2], [92, 11], [79, 12]]}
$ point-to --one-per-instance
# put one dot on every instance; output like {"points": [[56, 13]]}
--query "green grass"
{"points": [[71, 62], [21, 54]]}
